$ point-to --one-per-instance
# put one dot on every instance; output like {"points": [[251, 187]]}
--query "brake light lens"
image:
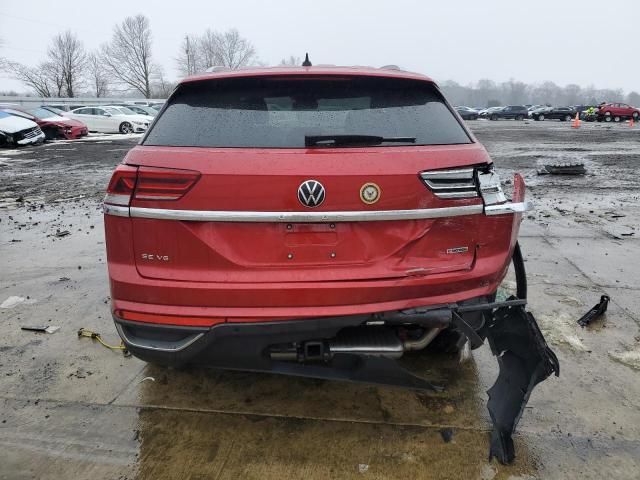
{"points": [[121, 186], [164, 183], [467, 182]]}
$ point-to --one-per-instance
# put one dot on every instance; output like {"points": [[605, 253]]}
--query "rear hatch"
{"points": [[229, 160]]}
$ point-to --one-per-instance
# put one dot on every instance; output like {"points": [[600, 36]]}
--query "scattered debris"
{"points": [[563, 169], [62, 233], [12, 301], [41, 328], [525, 360], [595, 312], [64, 279], [83, 332], [363, 467], [446, 434], [80, 373], [151, 379]]}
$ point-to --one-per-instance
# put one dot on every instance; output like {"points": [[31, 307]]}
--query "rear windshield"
{"points": [[277, 112]]}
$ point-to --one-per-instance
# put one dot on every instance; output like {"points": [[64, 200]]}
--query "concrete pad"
{"points": [[606, 262]]}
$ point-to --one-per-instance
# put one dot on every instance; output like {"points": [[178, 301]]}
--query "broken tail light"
{"points": [[164, 183], [467, 182], [490, 186]]}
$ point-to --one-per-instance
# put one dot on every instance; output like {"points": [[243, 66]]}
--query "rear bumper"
{"points": [[244, 345]]}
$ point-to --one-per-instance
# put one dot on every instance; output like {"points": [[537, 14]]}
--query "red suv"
{"points": [[319, 221], [617, 112], [292, 203]]}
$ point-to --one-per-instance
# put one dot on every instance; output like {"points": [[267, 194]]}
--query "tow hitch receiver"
{"points": [[524, 360]]}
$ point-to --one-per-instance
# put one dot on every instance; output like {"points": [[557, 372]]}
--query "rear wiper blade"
{"points": [[352, 140]]}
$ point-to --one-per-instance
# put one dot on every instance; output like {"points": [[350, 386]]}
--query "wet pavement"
{"points": [[70, 408]]}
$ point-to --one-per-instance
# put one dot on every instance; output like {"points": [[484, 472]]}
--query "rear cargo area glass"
{"points": [[277, 112]]}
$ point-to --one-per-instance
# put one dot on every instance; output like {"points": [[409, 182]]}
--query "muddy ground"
{"points": [[70, 408]]}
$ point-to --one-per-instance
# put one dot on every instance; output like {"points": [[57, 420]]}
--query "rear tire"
{"points": [[126, 128], [541, 118], [567, 118], [519, 117], [607, 118], [616, 119], [635, 116], [493, 117]]}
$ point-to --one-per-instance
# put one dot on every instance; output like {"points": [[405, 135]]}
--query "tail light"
{"points": [[468, 182], [490, 187], [148, 183], [121, 186], [164, 183], [455, 183]]}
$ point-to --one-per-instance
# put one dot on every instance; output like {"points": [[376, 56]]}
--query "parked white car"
{"points": [[110, 119], [16, 130], [129, 111]]}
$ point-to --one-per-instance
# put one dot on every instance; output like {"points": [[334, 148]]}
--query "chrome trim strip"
{"points": [[116, 210], [303, 217], [314, 217], [176, 348], [507, 208]]}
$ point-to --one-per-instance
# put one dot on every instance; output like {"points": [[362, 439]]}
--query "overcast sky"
{"points": [[565, 41]]}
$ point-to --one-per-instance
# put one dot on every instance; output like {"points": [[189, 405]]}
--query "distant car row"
{"points": [[28, 125], [607, 112]]}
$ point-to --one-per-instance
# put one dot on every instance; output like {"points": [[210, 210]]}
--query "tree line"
{"points": [[125, 64], [487, 93]]}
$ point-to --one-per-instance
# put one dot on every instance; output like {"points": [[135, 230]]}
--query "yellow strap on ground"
{"points": [[83, 332]]}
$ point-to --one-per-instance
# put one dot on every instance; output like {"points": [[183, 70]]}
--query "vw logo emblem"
{"points": [[311, 193]]}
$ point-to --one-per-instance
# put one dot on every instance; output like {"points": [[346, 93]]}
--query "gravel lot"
{"points": [[70, 408]]}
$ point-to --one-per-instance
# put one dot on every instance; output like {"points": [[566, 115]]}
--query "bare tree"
{"points": [[128, 55], [187, 60], [46, 80], [97, 75], [209, 49], [161, 88], [69, 58], [235, 51], [291, 61], [33, 78]]}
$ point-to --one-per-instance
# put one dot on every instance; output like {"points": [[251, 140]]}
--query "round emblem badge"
{"points": [[370, 193]]}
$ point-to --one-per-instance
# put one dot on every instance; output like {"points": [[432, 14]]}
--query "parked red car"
{"points": [[319, 221], [51, 123], [617, 112]]}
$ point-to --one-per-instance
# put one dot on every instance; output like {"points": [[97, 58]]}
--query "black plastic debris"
{"points": [[576, 168], [446, 434], [525, 360], [595, 312], [40, 328]]}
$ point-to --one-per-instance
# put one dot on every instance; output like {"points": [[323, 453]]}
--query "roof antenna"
{"points": [[307, 62]]}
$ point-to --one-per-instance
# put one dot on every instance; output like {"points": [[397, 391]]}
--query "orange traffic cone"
{"points": [[576, 121], [631, 124]]}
